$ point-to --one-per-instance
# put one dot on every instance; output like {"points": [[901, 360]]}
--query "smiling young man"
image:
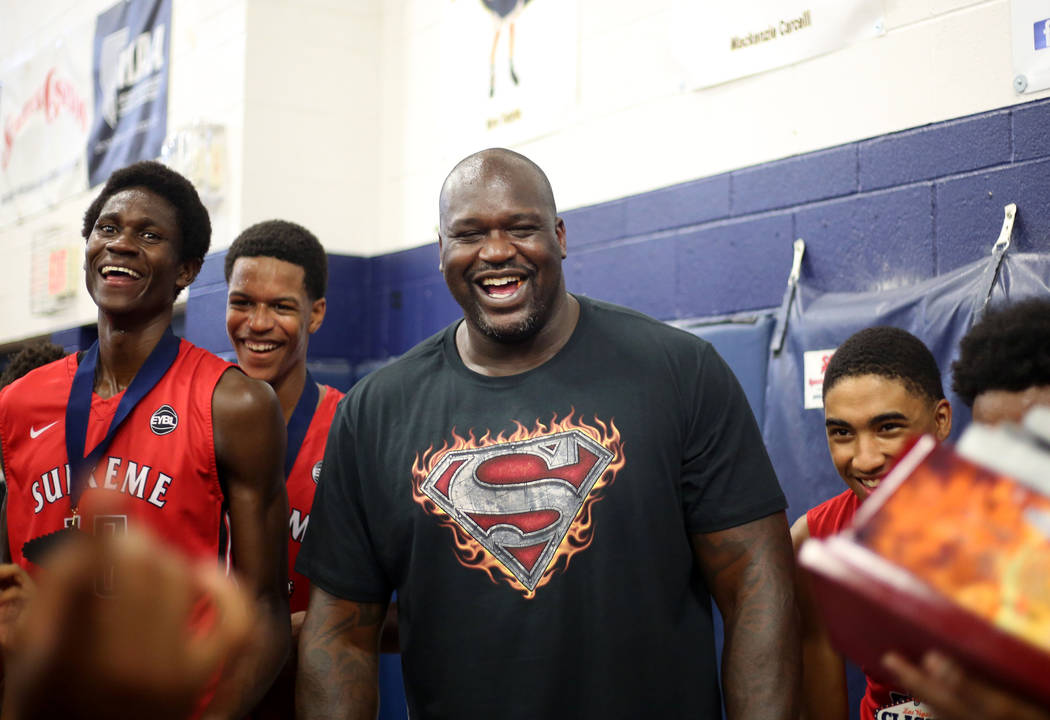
{"points": [[191, 445], [277, 273], [556, 488], [882, 388]]}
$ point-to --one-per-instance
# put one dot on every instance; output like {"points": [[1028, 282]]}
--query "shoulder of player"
{"points": [[238, 397], [799, 531], [40, 384], [202, 359], [330, 394], [38, 379], [833, 510]]}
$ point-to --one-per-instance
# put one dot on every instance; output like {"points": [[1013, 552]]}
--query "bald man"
{"points": [[556, 488]]}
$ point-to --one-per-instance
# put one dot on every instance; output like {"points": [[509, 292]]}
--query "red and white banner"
{"points": [[45, 116]]}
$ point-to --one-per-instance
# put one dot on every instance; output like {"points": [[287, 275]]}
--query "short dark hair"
{"points": [[190, 213], [286, 241], [1008, 349], [30, 358], [890, 353]]}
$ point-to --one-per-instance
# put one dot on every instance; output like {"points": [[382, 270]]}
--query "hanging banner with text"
{"points": [[130, 74], [1030, 21], [720, 41], [45, 113]]}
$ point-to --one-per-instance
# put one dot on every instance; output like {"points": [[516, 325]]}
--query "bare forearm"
{"points": [[247, 681], [337, 685], [339, 662], [760, 663], [750, 572]]}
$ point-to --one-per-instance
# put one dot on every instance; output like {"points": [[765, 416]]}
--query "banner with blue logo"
{"points": [[1030, 28], [130, 77], [1042, 32]]}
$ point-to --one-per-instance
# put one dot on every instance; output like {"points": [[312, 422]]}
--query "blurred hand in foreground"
{"points": [[955, 695], [141, 648]]}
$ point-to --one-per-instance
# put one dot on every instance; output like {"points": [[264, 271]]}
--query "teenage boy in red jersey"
{"points": [[881, 389], [277, 274], [193, 446]]}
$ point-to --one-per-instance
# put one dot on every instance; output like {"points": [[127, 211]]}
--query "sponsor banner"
{"points": [[814, 364], [718, 42], [45, 114], [130, 76], [1030, 23]]}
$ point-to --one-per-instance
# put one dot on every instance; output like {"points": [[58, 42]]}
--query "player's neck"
{"points": [[486, 356], [289, 389], [123, 349]]}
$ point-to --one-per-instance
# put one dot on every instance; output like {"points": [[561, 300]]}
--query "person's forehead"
{"points": [[265, 273], [498, 184], [142, 200], [862, 397], [995, 406]]}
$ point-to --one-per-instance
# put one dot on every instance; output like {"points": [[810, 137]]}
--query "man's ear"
{"points": [[559, 230], [441, 253], [942, 417], [188, 270], [317, 311]]}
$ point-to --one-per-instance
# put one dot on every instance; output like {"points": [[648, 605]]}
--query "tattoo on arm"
{"points": [[338, 658], [749, 570]]}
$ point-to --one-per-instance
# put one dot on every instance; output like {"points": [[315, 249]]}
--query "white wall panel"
{"points": [[341, 114], [635, 130]]}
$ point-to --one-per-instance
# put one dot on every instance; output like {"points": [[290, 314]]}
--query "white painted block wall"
{"points": [[336, 118]]}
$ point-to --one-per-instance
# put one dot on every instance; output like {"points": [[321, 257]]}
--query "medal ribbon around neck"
{"points": [[78, 409], [299, 423]]}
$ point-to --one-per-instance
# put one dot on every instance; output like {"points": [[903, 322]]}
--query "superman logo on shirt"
{"points": [[519, 506]]}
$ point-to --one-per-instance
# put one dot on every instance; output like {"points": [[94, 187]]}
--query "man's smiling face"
{"points": [[131, 257], [270, 316], [501, 249], [869, 421]]}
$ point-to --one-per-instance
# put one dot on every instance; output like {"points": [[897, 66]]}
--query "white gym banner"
{"points": [[509, 70], [721, 41], [45, 115], [1030, 28]]}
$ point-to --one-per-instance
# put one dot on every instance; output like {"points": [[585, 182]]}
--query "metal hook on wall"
{"points": [[780, 330]]}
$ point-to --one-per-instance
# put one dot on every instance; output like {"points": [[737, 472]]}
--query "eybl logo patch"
{"points": [[164, 420]]}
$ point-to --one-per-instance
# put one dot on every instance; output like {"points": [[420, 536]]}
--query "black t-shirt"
{"points": [[536, 527]]}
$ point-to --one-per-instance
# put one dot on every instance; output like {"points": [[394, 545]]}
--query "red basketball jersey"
{"points": [[301, 484], [824, 520], [161, 460]]}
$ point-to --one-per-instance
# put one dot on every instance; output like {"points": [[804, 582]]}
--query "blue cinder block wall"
{"points": [[877, 212]]}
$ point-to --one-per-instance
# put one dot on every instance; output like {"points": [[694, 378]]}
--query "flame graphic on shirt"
{"points": [[579, 459]]}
